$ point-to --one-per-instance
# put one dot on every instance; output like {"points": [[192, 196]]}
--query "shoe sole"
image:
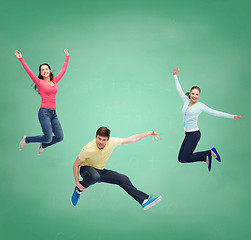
{"points": [[19, 147], [73, 205], [156, 201]]}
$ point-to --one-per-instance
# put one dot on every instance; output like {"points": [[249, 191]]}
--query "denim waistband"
{"points": [[48, 110]]}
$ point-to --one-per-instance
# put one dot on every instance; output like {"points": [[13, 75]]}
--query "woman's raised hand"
{"points": [[175, 72], [237, 117], [18, 54], [66, 51]]}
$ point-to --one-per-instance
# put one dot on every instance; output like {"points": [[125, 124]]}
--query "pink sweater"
{"points": [[47, 92]]}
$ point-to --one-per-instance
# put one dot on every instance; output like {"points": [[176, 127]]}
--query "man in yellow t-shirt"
{"points": [[92, 160]]}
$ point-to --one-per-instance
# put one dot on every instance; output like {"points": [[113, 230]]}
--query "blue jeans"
{"points": [[186, 154], [50, 124], [92, 175]]}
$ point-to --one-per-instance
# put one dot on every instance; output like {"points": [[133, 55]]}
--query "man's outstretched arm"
{"points": [[137, 137]]}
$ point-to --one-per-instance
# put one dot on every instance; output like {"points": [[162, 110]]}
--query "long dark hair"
{"points": [[194, 87], [41, 77]]}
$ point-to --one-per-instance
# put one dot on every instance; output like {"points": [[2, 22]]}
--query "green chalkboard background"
{"points": [[122, 55]]}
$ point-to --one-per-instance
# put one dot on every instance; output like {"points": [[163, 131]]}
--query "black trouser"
{"points": [[92, 175], [188, 146]]}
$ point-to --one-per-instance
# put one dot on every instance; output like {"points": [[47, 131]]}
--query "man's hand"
{"points": [[155, 135], [80, 186]]}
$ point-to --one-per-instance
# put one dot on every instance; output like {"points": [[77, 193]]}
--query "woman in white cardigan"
{"points": [[191, 111]]}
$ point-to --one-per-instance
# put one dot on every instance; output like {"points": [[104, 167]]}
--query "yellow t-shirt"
{"points": [[92, 156]]}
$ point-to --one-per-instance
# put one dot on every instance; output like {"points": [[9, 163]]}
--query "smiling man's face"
{"points": [[101, 141]]}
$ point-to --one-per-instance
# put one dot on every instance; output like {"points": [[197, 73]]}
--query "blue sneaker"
{"points": [[75, 197], [210, 163], [217, 154], [148, 203]]}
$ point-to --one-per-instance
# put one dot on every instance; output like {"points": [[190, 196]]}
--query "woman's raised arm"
{"points": [[178, 87], [33, 77], [64, 67]]}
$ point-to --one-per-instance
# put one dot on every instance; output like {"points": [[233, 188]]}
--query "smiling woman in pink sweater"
{"points": [[46, 84]]}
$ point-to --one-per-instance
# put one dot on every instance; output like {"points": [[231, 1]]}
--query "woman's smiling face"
{"points": [[194, 95], [45, 71]]}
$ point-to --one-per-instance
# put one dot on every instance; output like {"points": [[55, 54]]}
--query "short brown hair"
{"points": [[103, 132]]}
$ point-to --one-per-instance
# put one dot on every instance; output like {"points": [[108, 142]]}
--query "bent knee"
{"points": [[95, 178], [60, 138], [124, 179], [182, 160], [47, 139]]}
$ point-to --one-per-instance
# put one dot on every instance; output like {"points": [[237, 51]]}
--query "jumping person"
{"points": [[92, 160], [191, 111], [46, 84]]}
